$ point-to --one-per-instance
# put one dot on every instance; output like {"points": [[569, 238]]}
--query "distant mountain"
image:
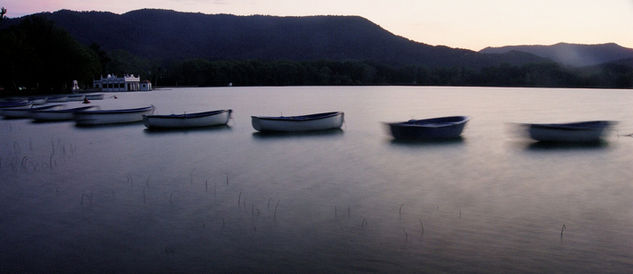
{"points": [[171, 35], [571, 54]]}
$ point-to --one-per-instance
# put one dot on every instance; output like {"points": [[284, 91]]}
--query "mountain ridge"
{"points": [[172, 35], [578, 55]]}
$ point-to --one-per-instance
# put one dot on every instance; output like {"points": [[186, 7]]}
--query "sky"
{"points": [[469, 24]]}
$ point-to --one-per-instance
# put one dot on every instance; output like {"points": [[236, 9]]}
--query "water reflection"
{"points": [[166, 131], [433, 142], [557, 146], [305, 134]]}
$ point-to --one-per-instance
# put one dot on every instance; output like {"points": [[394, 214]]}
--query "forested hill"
{"points": [[171, 35], [44, 53], [572, 54]]}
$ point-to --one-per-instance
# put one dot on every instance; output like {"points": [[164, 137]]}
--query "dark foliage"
{"points": [[42, 58], [200, 72]]}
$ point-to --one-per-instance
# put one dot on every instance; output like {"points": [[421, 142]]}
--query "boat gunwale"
{"points": [[575, 126], [9, 105], [69, 110], [115, 111], [32, 109], [188, 115], [440, 124], [300, 118]]}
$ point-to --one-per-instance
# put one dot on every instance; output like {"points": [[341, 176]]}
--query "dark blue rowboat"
{"points": [[585, 131], [429, 129]]}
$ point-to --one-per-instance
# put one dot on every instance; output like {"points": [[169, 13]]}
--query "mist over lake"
{"points": [[228, 199]]}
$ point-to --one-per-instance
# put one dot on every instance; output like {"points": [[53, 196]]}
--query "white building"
{"points": [[125, 83]]}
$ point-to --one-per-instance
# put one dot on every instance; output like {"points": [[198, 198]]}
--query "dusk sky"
{"points": [[454, 23]]}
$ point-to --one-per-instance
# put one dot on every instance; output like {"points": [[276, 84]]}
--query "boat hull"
{"points": [[76, 97], [25, 112], [321, 121], [57, 99], [9, 105], [17, 112], [429, 129], [104, 117], [57, 115], [39, 101], [579, 132], [192, 120], [94, 96]]}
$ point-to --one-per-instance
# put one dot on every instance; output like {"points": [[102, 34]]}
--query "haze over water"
{"points": [[121, 198]]}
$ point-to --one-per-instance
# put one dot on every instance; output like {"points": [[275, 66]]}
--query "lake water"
{"points": [[124, 199]]}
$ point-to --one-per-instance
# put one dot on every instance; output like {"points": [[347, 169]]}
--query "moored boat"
{"points": [[576, 132], [98, 96], [14, 104], [76, 97], [429, 129], [38, 100], [188, 120], [58, 114], [26, 112], [311, 122], [57, 99], [101, 117]]}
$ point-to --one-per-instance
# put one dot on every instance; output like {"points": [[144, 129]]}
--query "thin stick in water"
{"points": [[275, 213]]}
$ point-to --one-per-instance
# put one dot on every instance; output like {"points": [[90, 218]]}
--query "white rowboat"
{"points": [[188, 120], [318, 121], [102, 117]]}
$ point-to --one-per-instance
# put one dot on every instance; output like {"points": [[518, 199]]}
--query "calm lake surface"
{"points": [[124, 199]]}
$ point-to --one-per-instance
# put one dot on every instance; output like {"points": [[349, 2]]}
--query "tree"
{"points": [[3, 11], [43, 58]]}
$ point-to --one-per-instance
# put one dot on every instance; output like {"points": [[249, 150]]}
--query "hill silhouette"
{"points": [[194, 49], [571, 54], [167, 34]]}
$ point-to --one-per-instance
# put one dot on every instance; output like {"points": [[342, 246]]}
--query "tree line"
{"points": [[200, 72], [37, 57]]}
